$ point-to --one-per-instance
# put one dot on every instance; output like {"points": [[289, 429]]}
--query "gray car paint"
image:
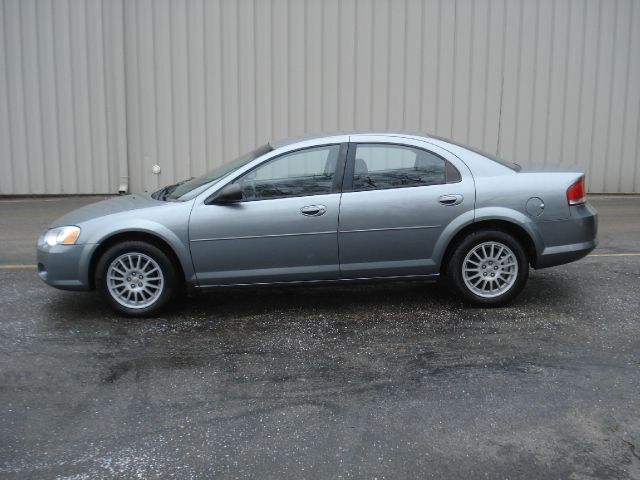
{"points": [[265, 241], [69, 268], [391, 233], [271, 242]]}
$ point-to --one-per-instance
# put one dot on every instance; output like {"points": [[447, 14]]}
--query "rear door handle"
{"points": [[313, 210], [450, 200]]}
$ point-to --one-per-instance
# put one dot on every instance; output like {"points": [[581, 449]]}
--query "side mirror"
{"points": [[230, 194]]}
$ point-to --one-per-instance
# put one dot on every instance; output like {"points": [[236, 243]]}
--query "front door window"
{"points": [[301, 173]]}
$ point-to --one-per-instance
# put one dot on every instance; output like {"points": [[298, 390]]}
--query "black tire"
{"points": [[456, 277], [164, 290]]}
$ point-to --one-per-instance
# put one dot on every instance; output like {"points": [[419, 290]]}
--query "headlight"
{"points": [[62, 236]]}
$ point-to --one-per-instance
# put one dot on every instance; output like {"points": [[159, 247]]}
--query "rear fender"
{"points": [[449, 233], [481, 215]]}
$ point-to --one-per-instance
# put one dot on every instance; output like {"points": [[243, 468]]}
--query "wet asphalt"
{"points": [[382, 381]]}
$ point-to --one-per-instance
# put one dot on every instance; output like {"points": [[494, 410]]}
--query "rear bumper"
{"points": [[568, 240], [559, 255]]}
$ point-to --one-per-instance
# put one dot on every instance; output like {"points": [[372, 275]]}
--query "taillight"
{"points": [[575, 193]]}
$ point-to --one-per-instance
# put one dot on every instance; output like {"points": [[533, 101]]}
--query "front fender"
{"points": [[150, 227]]}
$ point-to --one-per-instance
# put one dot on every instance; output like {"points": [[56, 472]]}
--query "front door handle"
{"points": [[450, 200], [313, 210]]}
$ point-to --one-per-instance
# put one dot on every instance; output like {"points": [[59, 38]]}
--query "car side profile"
{"points": [[341, 208]]}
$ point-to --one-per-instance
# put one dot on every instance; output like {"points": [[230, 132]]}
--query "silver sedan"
{"points": [[339, 208]]}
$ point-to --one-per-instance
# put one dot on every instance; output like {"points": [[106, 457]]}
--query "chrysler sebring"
{"points": [[327, 209]]}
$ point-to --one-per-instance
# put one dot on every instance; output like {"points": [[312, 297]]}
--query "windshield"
{"points": [[218, 172]]}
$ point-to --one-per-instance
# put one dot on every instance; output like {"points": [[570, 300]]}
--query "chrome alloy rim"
{"points": [[490, 269], [135, 280]]}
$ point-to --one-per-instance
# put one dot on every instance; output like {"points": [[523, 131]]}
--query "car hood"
{"points": [[124, 203]]}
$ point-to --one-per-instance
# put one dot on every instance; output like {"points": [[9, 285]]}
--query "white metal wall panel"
{"points": [[61, 124], [544, 81], [94, 91]]}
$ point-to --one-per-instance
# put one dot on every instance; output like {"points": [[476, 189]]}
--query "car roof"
{"points": [[291, 140], [480, 162]]}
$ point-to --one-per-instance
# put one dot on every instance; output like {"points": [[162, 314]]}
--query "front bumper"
{"points": [[65, 266], [570, 239]]}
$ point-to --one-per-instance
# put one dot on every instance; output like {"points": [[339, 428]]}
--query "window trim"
{"points": [[347, 185], [338, 173]]}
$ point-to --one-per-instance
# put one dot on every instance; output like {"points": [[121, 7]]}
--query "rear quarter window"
{"points": [[505, 163]]}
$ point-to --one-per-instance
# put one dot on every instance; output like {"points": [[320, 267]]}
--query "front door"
{"points": [[395, 207], [284, 229]]}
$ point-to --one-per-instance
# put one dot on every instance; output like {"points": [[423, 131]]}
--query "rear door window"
{"points": [[382, 166]]}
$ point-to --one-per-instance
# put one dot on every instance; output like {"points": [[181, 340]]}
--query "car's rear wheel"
{"points": [[137, 279], [488, 268]]}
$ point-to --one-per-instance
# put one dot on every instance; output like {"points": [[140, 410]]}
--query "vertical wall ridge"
{"points": [[93, 93]]}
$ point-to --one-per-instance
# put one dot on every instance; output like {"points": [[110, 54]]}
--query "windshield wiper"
{"points": [[164, 192]]}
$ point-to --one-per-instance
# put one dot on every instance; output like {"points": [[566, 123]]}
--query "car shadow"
{"points": [[249, 301], [351, 301]]}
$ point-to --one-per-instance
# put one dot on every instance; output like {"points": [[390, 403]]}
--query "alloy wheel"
{"points": [[135, 280], [490, 269]]}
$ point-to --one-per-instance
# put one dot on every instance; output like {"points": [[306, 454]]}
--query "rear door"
{"points": [[399, 195]]}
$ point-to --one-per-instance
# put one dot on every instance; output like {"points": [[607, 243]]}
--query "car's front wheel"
{"points": [[137, 278], [488, 268]]}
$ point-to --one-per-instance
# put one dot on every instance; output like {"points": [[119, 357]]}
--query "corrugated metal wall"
{"points": [[93, 89], [62, 124]]}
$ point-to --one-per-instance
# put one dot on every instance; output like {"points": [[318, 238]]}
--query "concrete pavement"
{"points": [[380, 381]]}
